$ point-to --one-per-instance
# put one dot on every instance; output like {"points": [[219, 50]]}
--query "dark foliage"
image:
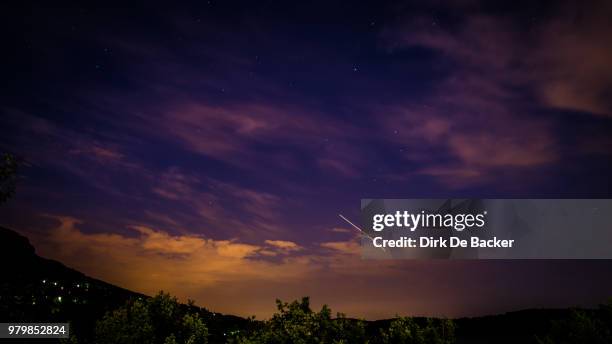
{"points": [[295, 322], [582, 326], [8, 176], [157, 320]]}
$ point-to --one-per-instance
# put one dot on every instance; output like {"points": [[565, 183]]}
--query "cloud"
{"points": [[345, 247], [491, 112], [162, 242], [561, 60], [173, 184], [91, 159], [223, 205], [233, 133], [157, 258], [573, 59], [341, 230], [284, 245], [196, 267], [454, 142], [101, 154], [506, 151]]}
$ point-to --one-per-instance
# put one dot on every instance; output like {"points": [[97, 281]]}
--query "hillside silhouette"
{"points": [[35, 289]]}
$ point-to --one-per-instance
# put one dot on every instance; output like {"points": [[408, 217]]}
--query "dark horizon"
{"points": [[207, 149]]}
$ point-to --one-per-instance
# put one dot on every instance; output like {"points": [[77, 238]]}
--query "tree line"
{"points": [[163, 320]]}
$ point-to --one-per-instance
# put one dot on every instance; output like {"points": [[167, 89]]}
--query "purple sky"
{"points": [[207, 149]]}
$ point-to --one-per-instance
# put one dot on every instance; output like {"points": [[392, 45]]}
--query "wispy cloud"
{"points": [[284, 245]]}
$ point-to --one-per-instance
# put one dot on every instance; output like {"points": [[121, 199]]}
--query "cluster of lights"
{"points": [[60, 299]]}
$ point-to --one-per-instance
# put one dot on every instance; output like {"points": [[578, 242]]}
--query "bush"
{"points": [[158, 320], [406, 330], [296, 323], [584, 327]]}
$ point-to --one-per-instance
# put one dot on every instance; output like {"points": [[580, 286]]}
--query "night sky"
{"points": [[208, 149]]}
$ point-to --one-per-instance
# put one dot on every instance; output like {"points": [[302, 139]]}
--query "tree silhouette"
{"points": [[158, 320], [584, 327], [404, 330], [8, 176], [296, 323]]}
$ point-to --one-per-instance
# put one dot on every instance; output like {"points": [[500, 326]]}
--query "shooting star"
{"points": [[359, 229]]}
